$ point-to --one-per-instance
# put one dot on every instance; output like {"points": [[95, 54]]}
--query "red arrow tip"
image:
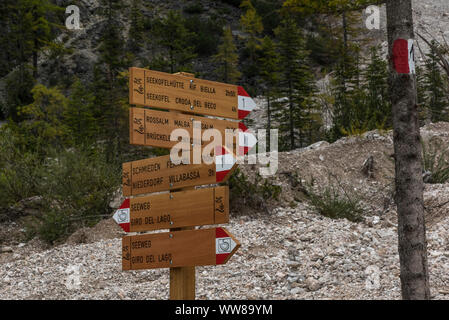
{"points": [[125, 204]]}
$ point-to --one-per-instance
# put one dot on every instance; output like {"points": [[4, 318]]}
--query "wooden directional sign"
{"points": [[188, 94], [178, 249], [153, 128], [174, 210], [160, 174]]}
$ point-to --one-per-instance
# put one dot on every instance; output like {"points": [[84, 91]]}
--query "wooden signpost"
{"points": [[173, 210], [160, 174], [188, 94], [183, 207], [178, 249], [153, 128]]}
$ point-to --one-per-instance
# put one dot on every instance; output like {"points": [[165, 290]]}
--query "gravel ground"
{"points": [[294, 254]]}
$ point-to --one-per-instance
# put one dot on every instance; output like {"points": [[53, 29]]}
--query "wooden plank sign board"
{"points": [[153, 128], [188, 94], [178, 249], [161, 174], [174, 210]]}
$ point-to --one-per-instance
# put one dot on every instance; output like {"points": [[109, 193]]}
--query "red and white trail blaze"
{"points": [[225, 246], [121, 216], [403, 56], [245, 103]]}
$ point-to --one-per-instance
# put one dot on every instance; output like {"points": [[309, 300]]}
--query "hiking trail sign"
{"points": [[154, 128], [178, 249], [161, 174], [172, 210], [188, 94], [183, 207]]}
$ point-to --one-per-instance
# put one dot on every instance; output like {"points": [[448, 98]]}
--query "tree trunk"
{"points": [[292, 127], [408, 152]]}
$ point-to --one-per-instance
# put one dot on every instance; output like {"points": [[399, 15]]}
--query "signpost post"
{"points": [[183, 207]]}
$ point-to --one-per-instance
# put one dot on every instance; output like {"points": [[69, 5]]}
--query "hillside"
{"points": [[324, 225], [291, 252]]}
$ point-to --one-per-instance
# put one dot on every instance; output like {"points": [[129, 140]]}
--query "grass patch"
{"points": [[335, 202]]}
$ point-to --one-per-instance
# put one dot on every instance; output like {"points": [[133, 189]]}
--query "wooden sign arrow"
{"points": [[153, 128], [188, 94], [161, 174], [174, 210], [178, 249]]}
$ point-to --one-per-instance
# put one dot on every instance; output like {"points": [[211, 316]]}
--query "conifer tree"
{"points": [[296, 81], [251, 24], [79, 114], [269, 71], [424, 114], [41, 34], [136, 31], [108, 87], [378, 102], [435, 87], [44, 126], [28, 26], [174, 38], [227, 58]]}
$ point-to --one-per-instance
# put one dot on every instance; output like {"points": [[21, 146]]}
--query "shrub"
{"points": [[335, 204], [77, 187], [206, 33], [253, 194], [20, 171]]}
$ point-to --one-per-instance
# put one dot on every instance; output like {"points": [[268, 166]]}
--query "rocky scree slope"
{"points": [[290, 253]]}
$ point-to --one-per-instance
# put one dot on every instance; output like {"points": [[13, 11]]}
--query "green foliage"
{"points": [[79, 114], [227, 58], [297, 85], [175, 39], [270, 76], [109, 85], [435, 87], [38, 32], [435, 162], [335, 202], [377, 106], [205, 33], [253, 194], [20, 172], [43, 125], [18, 91], [136, 35], [76, 186], [251, 24], [269, 13], [361, 99]]}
